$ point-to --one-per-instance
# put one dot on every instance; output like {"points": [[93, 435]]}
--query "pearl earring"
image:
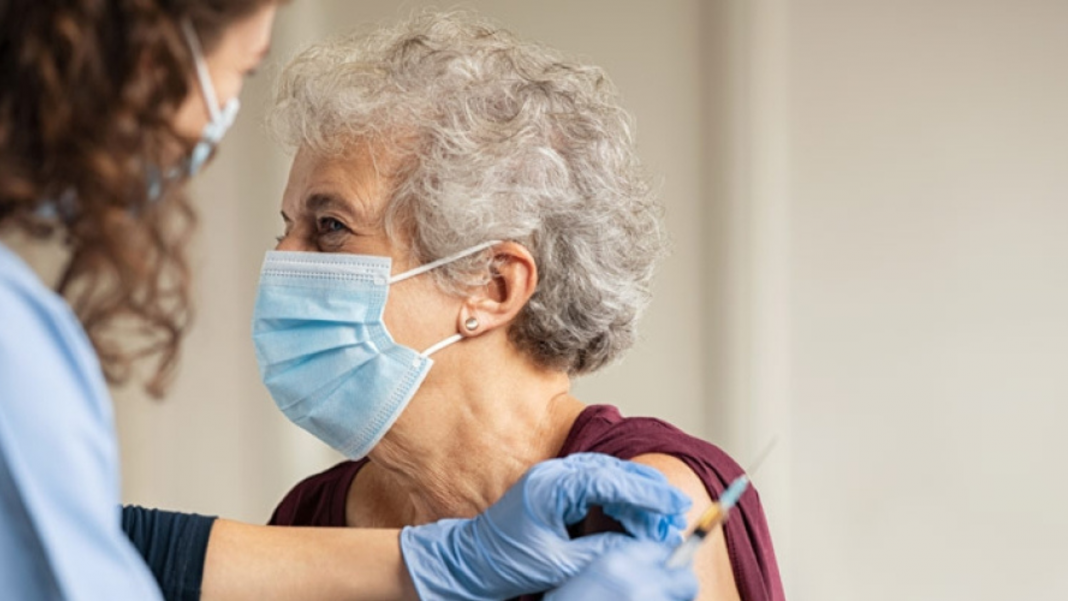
{"points": [[471, 324]]}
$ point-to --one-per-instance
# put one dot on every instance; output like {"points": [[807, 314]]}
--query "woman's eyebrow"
{"points": [[331, 202]]}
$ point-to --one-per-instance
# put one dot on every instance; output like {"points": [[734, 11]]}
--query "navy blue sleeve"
{"points": [[173, 545]]}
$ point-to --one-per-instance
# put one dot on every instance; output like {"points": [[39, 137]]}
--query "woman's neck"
{"points": [[464, 441]]}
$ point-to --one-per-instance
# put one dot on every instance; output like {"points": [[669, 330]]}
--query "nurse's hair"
{"points": [[88, 93], [496, 139]]}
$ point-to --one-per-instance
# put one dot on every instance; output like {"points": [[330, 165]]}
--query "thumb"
{"points": [[584, 550], [646, 525]]}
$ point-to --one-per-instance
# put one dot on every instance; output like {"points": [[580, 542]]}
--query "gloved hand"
{"points": [[520, 544], [633, 572]]}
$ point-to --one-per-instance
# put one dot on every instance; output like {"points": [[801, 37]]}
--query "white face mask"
{"points": [[220, 119]]}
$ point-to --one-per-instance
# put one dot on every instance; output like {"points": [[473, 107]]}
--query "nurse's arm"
{"points": [[274, 562]]}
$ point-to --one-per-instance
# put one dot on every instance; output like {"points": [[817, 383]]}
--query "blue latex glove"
{"points": [[633, 572], [520, 545]]}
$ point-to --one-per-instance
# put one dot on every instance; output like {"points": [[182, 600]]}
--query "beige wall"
{"points": [[869, 202], [929, 259]]}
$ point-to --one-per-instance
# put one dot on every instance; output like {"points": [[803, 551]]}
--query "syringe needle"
{"points": [[755, 465], [718, 512]]}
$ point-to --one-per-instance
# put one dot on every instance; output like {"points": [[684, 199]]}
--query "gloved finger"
{"points": [[620, 484], [681, 585], [641, 567], [672, 583], [667, 585], [584, 550], [634, 570], [646, 525]]}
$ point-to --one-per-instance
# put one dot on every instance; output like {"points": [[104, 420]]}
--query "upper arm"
{"points": [[712, 563]]}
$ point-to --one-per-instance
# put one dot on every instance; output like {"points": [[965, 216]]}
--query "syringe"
{"points": [[715, 515]]}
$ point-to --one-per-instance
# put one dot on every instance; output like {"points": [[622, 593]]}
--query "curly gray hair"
{"points": [[499, 139]]}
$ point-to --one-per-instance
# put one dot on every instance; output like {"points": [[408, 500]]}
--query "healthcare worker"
{"points": [[106, 108]]}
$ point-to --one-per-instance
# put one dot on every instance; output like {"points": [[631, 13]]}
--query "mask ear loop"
{"points": [[451, 340], [400, 277], [434, 265], [203, 77]]}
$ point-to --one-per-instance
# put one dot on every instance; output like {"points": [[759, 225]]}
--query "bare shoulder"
{"points": [[712, 564], [679, 474]]}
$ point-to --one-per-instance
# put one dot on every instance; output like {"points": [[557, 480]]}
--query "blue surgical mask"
{"points": [[220, 119], [323, 349]]}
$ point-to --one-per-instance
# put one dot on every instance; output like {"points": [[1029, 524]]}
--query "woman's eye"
{"points": [[329, 225]]}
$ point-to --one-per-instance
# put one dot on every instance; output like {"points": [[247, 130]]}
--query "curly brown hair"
{"points": [[88, 93]]}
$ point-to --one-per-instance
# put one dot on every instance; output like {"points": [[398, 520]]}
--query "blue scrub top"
{"points": [[60, 528]]}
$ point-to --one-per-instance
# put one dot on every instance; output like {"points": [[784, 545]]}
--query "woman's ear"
{"points": [[514, 279]]}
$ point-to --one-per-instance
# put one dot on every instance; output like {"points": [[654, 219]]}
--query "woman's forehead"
{"points": [[351, 177]]}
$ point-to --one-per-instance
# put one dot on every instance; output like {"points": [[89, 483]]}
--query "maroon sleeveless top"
{"points": [[321, 499]]}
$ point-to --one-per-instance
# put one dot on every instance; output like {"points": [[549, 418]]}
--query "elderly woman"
{"points": [[478, 199]]}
